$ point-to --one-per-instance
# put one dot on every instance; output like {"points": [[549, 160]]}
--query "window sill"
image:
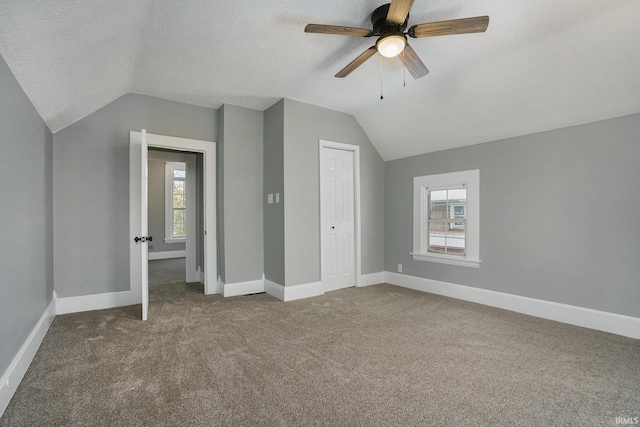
{"points": [[444, 259], [178, 240]]}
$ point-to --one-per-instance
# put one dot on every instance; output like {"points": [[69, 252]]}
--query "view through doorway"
{"points": [[172, 204], [167, 281]]}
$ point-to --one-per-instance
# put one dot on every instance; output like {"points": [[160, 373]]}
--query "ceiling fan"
{"points": [[389, 24]]}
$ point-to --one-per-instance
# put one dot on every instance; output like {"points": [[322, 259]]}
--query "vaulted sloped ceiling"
{"points": [[541, 64]]}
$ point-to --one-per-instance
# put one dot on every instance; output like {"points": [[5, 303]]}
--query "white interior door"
{"points": [[337, 218], [138, 217]]}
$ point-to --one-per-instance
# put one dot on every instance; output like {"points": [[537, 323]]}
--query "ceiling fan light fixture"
{"points": [[390, 46], [389, 23]]}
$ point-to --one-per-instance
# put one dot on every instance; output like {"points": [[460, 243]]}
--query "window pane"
{"points": [[438, 204], [439, 195], [179, 194], [438, 237], [458, 211], [179, 223], [458, 195], [456, 238], [179, 201], [447, 237], [457, 200], [178, 187]]}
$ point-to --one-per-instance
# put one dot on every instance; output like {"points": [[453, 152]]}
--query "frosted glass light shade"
{"points": [[391, 46]]}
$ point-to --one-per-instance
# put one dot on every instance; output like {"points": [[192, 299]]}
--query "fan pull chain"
{"points": [[381, 97], [404, 70]]}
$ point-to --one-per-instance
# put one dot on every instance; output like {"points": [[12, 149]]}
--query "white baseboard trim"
{"points": [[167, 255], [20, 363], [217, 290], [371, 279], [243, 288], [97, 302], [585, 317], [306, 290], [274, 289], [200, 277], [291, 293], [194, 276]]}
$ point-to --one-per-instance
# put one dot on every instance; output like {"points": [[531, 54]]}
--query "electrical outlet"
{"points": [[277, 197], [399, 268]]}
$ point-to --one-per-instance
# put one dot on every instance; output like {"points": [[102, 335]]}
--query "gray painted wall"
{"points": [[157, 160], [273, 182], [304, 125], [558, 215], [26, 217], [91, 187], [242, 147]]}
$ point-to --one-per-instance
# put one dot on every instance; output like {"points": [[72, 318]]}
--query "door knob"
{"points": [[143, 239]]}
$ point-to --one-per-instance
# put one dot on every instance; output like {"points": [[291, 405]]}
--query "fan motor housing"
{"points": [[380, 24]]}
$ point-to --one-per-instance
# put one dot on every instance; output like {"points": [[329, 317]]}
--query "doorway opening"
{"points": [[139, 142], [174, 198]]}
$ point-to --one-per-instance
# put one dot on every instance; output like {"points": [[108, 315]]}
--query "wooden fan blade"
{"points": [[477, 24], [398, 11], [338, 30], [357, 62], [413, 63]]}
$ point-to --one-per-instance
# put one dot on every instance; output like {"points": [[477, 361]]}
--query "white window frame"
{"points": [[169, 167], [421, 187]]}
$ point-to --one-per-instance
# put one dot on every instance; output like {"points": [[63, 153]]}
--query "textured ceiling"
{"points": [[541, 64]]}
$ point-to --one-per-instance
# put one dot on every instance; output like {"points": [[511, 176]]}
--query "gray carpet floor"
{"points": [[379, 355]]}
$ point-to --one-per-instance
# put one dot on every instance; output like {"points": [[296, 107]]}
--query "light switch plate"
{"points": [[270, 198]]}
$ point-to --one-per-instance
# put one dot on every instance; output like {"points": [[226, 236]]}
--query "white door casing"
{"points": [[138, 217], [138, 203], [338, 216]]}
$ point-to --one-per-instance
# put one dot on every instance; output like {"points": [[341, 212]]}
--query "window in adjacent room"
{"points": [[446, 218], [175, 202]]}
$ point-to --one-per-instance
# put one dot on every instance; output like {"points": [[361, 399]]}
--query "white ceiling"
{"points": [[541, 64]]}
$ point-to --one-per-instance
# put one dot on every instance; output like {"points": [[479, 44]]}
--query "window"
{"points": [[175, 202], [446, 218]]}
